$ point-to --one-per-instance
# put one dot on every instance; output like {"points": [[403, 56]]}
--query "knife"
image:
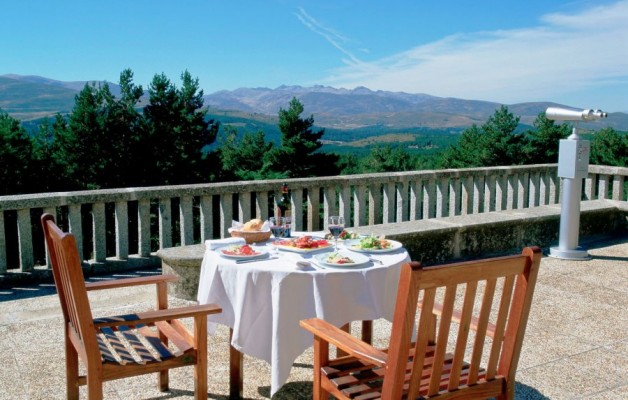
{"points": [[254, 260]]}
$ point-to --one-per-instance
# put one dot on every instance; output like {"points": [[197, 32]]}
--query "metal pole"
{"points": [[571, 154]]}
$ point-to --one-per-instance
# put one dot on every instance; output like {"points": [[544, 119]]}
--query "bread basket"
{"points": [[251, 236]]}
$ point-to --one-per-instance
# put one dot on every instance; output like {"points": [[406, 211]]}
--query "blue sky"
{"points": [[569, 52]]}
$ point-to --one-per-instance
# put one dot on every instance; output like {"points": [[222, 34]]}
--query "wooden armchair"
{"points": [[125, 345], [426, 357]]}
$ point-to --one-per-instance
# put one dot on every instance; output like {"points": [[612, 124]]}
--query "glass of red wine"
{"points": [[336, 226], [277, 227]]}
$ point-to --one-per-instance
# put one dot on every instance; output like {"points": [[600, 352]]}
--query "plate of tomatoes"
{"points": [[303, 244], [242, 252]]}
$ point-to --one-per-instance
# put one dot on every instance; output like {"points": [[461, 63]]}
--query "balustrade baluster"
{"points": [[226, 213], [296, 202], [359, 205], [143, 227], [165, 223], [186, 220], [375, 204], [122, 230], [99, 230], [313, 206]]}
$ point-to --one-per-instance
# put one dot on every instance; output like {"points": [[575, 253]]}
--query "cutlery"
{"points": [[376, 260], [255, 260]]}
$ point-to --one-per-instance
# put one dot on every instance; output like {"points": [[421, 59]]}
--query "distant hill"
{"points": [[28, 97], [362, 107], [33, 97]]}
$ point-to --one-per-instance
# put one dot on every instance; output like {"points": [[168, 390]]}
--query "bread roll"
{"points": [[253, 225]]}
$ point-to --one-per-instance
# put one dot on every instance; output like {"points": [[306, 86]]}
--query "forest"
{"points": [[114, 142]]}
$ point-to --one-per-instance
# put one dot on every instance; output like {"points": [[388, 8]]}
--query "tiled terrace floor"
{"points": [[576, 344]]}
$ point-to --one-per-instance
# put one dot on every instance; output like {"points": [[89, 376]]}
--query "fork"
{"points": [[380, 262]]}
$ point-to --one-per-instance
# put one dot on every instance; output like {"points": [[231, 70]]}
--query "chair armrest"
{"points": [[148, 317], [118, 283], [343, 340], [457, 317]]}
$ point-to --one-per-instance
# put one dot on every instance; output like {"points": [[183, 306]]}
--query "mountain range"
{"points": [[28, 97]]}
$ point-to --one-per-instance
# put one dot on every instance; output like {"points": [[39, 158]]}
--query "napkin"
{"points": [[214, 244]]}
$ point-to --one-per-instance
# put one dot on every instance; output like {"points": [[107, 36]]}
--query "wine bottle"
{"points": [[283, 202], [284, 209]]}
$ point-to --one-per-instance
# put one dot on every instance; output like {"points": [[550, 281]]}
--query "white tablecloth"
{"points": [[264, 301]]}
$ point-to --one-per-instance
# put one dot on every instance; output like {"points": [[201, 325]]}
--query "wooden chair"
{"points": [[124, 345], [423, 360]]}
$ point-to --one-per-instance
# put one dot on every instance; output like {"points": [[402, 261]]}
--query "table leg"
{"points": [[236, 387]]}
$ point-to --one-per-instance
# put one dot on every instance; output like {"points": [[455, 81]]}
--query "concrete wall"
{"points": [[503, 232]]}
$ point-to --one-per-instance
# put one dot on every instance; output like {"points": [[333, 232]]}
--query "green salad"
{"points": [[374, 242]]}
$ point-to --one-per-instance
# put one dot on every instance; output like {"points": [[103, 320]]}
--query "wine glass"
{"points": [[336, 226], [278, 230], [276, 227]]}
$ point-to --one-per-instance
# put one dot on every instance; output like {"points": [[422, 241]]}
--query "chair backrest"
{"points": [[70, 282], [492, 298]]}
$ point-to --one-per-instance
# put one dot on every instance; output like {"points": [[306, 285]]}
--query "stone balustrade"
{"points": [[117, 228]]}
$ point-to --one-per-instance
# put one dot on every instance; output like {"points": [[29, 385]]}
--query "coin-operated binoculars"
{"points": [[573, 167]]}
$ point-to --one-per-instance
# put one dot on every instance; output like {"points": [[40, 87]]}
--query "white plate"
{"points": [[354, 245], [359, 260], [260, 252], [302, 250]]}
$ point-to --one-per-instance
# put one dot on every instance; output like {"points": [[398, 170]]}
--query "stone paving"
{"points": [[576, 343]]}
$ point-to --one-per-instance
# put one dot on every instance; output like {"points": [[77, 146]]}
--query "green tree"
{"points": [[105, 139], [16, 156], [387, 158], [244, 158], [128, 138], [542, 146], [46, 154], [493, 144], [296, 155], [608, 147], [81, 148], [178, 131]]}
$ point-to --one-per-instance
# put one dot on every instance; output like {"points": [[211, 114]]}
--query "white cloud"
{"points": [[562, 59], [333, 37]]}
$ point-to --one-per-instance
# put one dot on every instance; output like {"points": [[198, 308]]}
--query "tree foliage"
{"points": [[296, 156], [244, 159], [178, 131], [15, 156], [608, 147], [544, 139], [494, 143]]}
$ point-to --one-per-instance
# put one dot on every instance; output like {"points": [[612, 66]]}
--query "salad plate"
{"points": [[341, 260], [242, 252], [372, 244]]}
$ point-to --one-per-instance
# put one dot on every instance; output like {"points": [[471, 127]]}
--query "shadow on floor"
{"points": [[19, 291], [303, 391]]}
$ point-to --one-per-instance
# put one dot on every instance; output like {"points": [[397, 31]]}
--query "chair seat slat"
{"points": [[124, 356], [158, 345], [137, 345]]}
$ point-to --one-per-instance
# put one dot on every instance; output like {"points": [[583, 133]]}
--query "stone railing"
{"points": [[127, 226]]}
